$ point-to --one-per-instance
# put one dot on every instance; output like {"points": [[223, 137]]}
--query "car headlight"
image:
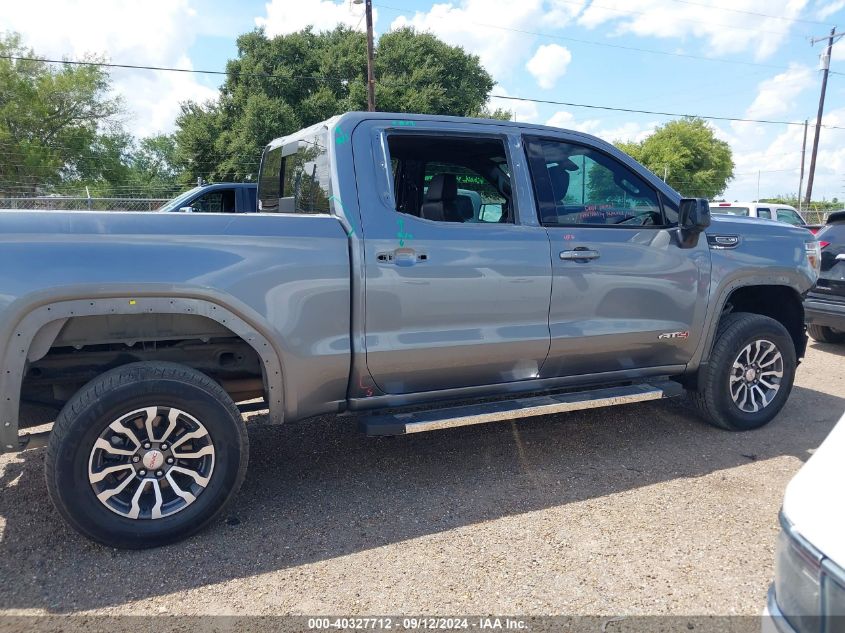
{"points": [[833, 597], [809, 589], [797, 586]]}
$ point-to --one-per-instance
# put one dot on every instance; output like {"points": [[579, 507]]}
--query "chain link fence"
{"points": [[79, 203]]}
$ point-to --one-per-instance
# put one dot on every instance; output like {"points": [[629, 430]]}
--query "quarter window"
{"points": [[577, 185], [296, 180], [764, 213]]}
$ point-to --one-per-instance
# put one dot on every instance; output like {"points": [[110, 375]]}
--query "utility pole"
{"points": [[371, 78], [758, 186], [825, 65], [801, 178]]}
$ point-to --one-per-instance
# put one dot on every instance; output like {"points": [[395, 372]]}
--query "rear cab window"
{"points": [[295, 177], [727, 210]]}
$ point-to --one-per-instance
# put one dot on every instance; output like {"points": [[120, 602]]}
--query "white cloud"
{"points": [[470, 24], [627, 131], [725, 33], [825, 11], [549, 64], [778, 95], [289, 16], [155, 32]]}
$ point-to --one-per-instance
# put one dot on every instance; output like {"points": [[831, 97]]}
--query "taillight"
{"points": [[823, 244], [814, 255]]}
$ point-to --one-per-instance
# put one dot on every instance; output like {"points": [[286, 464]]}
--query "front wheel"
{"points": [[749, 374], [146, 454]]}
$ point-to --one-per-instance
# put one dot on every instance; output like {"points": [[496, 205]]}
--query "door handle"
{"points": [[401, 257], [579, 255]]}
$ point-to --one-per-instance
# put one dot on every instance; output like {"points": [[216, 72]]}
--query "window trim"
{"points": [[388, 132], [528, 139]]}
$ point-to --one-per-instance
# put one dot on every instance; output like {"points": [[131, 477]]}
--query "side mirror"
{"points": [[694, 214]]}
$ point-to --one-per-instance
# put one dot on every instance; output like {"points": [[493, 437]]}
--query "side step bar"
{"points": [[430, 420]]}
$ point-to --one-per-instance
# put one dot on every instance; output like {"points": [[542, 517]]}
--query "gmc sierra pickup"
{"points": [[397, 264]]}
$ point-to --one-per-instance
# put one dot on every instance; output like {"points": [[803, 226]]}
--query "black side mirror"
{"points": [[694, 214]]}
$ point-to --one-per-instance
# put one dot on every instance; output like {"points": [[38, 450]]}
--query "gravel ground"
{"points": [[640, 509]]}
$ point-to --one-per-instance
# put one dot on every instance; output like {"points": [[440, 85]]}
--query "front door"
{"points": [[457, 290], [627, 295]]}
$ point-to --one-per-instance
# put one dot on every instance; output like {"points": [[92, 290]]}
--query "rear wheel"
{"points": [[824, 334], [145, 455], [749, 374]]}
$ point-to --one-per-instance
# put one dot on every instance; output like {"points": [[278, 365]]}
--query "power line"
{"points": [[604, 44], [754, 13], [655, 113], [170, 69], [627, 12], [492, 95]]}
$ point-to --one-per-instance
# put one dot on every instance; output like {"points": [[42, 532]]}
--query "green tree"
{"points": [[58, 125], [152, 165], [278, 85], [697, 164]]}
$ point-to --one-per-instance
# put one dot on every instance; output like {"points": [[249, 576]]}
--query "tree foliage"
{"points": [[278, 85], [56, 124], [696, 163]]}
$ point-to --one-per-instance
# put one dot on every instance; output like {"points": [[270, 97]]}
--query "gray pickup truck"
{"points": [[398, 264]]}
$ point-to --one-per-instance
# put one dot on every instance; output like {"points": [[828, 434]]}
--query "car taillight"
{"points": [[823, 244], [814, 255]]}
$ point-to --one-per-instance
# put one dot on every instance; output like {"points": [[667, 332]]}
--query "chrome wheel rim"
{"points": [[151, 463], [756, 376]]}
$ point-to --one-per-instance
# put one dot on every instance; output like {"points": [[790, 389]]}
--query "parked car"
{"points": [[825, 303], [218, 197], [765, 211], [364, 286], [808, 594]]}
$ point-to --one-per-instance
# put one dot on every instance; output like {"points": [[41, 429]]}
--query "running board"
{"points": [[430, 420]]}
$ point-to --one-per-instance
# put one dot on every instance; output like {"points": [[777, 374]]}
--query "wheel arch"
{"points": [[33, 323], [779, 301]]}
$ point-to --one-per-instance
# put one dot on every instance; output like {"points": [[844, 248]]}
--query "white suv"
{"points": [[765, 210]]}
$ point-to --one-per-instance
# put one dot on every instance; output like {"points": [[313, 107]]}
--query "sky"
{"points": [[723, 58]]}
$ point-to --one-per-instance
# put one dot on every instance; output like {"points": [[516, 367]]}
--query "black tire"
{"points": [[88, 415], [824, 334], [713, 398]]}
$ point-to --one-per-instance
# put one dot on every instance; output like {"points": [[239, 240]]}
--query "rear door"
{"points": [[626, 295], [457, 286]]}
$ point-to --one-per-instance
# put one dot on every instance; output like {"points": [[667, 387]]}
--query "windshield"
{"points": [[729, 210], [179, 201]]}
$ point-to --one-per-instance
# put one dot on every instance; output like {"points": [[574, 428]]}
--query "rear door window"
{"points": [[451, 179]]}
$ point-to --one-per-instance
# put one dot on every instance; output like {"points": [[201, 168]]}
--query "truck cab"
{"points": [[220, 197]]}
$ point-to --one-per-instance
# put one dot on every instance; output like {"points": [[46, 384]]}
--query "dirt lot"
{"points": [[640, 509]]}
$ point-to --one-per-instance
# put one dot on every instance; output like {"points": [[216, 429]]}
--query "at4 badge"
{"points": [[684, 334]]}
